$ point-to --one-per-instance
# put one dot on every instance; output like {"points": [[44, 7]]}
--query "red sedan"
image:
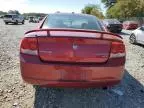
{"points": [[130, 25], [72, 50]]}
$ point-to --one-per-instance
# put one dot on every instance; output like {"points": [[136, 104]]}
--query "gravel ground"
{"points": [[14, 93]]}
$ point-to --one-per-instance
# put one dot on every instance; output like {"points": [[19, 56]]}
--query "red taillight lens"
{"points": [[29, 46], [117, 47], [117, 50]]}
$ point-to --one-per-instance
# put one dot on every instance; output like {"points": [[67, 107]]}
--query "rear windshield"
{"points": [[8, 16], [11, 16], [71, 21], [133, 22]]}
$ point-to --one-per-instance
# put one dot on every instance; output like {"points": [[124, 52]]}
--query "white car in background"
{"points": [[13, 18], [137, 36]]}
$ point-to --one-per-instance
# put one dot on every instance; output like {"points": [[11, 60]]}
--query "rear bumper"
{"points": [[84, 84], [36, 72], [9, 21]]}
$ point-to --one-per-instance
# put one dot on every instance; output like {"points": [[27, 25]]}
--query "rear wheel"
{"points": [[16, 22], [132, 39], [105, 88], [119, 31], [23, 22], [6, 23]]}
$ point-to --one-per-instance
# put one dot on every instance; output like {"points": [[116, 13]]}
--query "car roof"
{"points": [[75, 14], [11, 14], [110, 20], [131, 21]]}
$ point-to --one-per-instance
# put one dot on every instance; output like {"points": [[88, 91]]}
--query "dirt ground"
{"points": [[14, 93]]}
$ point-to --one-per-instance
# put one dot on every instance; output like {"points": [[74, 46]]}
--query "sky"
{"points": [[47, 6]]}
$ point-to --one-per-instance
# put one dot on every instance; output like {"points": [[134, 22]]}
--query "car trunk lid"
{"points": [[73, 46]]}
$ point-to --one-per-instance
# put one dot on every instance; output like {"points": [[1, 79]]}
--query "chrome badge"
{"points": [[75, 47]]}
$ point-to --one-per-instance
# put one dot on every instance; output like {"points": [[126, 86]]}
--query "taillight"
{"points": [[117, 50], [29, 46]]}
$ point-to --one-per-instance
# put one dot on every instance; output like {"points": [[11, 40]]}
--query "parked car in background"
{"points": [[130, 25], [1, 16], [36, 20], [26, 18], [41, 18], [113, 25], [33, 19], [137, 36], [13, 18], [72, 50]]}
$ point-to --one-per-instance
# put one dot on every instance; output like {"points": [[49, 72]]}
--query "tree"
{"points": [[13, 12], [97, 13], [93, 10], [34, 14], [126, 9], [2, 13], [108, 3]]}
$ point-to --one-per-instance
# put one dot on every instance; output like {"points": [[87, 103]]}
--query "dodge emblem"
{"points": [[75, 47]]}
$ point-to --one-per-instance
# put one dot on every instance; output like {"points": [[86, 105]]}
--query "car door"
{"points": [[141, 34], [19, 18], [15, 18]]}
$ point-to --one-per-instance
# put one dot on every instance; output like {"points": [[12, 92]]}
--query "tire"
{"points": [[16, 22], [132, 39], [6, 23], [23, 22], [119, 31], [104, 88]]}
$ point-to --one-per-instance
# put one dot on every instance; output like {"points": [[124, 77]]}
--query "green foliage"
{"points": [[93, 10], [108, 3], [88, 8], [2, 13], [97, 13], [34, 14], [14, 12], [126, 9]]}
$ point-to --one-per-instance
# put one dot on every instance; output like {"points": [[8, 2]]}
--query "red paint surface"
{"points": [[57, 63]]}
